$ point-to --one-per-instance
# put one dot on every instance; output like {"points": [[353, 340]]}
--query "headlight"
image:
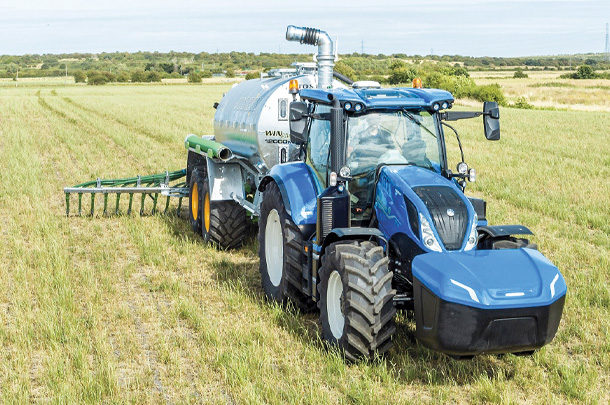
{"points": [[473, 237], [462, 168], [436, 106], [445, 105], [347, 105], [358, 107], [472, 175], [345, 172], [427, 235]]}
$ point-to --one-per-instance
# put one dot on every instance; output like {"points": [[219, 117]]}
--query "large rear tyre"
{"points": [[356, 299], [281, 252], [223, 223]]}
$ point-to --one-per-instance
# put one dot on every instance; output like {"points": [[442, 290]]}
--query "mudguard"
{"points": [[225, 180], [487, 300], [299, 187]]}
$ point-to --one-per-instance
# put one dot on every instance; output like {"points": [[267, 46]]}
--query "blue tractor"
{"points": [[359, 214], [371, 220]]}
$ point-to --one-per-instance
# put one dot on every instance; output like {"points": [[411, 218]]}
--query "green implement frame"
{"points": [[152, 186]]}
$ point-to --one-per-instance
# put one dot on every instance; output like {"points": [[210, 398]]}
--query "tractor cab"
{"points": [[381, 127]]}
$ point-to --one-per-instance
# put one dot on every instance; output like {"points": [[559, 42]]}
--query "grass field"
{"points": [[545, 89], [138, 309]]}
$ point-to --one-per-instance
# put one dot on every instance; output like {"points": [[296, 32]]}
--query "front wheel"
{"points": [[281, 252], [356, 299]]}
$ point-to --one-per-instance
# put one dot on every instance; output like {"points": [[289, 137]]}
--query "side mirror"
{"points": [[298, 122], [491, 120]]}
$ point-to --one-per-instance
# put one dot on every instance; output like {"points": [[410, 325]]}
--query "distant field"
{"points": [[546, 89], [139, 309]]}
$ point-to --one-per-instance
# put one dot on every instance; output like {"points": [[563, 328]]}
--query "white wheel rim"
{"points": [[336, 320], [274, 247]]}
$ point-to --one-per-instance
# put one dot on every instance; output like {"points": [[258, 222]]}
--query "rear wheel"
{"points": [[356, 299], [223, 223], [281, 252]]}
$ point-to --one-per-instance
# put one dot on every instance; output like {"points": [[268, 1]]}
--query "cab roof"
{"points": [[389, 98]]}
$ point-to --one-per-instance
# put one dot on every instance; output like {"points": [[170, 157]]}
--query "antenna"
{"points": [[607, 50]]}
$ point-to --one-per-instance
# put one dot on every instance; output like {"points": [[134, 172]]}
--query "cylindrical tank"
{"points": [[252, 118]]}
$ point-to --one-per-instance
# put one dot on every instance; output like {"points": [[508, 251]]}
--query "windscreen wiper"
{"points": [[412, 118]]}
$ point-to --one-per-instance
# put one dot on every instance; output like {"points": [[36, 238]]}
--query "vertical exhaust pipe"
{"points": [[326, 51]]}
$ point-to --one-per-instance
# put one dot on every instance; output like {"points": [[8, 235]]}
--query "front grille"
{"points": [[439, 199]]}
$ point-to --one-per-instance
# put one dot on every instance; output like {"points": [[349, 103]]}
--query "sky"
{"points": [[464, 27]]}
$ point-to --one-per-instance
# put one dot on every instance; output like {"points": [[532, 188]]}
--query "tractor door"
{"points": [[318, 145]]}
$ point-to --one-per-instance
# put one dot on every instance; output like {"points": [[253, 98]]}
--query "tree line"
{"points": [[179, 64]]}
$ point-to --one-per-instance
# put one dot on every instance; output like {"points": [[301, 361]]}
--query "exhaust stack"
{"points": [[326, 51]]}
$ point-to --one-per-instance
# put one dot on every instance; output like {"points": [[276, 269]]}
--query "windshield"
{"points": [[397, 137]]}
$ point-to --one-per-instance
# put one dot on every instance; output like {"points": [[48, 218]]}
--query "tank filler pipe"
{"points": [[326, 51]]}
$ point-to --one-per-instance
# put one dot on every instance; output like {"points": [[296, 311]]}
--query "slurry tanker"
{"points": [[358, 212]]}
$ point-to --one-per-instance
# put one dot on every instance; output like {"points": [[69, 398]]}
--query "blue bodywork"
{"points": [[524, 274], [390, 207], [300, 188], [491, 279], [396, 98], [484, 279]]}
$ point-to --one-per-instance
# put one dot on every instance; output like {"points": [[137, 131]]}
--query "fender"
{"points": [[299, 186], [504, 230], [354, 233], [225, 179]]}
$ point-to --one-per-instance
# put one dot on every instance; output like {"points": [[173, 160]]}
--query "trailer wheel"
{"points": [[223, 223], [195, 202], [356, 299], [281, 252]]}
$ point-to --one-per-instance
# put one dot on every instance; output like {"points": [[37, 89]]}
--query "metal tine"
{"points": [[92, 203], [166, 205], [105, 204], [142, 204], [80, 204], [130, 203], [116, 208], [67, 204], [155, 203]]}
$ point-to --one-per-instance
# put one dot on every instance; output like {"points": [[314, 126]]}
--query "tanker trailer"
{"points": [[251, 121]]}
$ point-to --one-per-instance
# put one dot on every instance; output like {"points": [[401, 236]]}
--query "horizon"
{"points": [[579, 54], [477, 28]]}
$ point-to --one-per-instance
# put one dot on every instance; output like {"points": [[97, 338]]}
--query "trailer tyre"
{"points": [[195, 202], [223, 223], [356, 299], [281, 252]]}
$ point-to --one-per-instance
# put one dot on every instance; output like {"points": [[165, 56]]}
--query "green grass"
{"points": [[139, 309]]}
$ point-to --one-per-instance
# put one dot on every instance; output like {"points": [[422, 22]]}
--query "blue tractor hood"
{"points": [[491, 279], [414, 176], [421, 187]]}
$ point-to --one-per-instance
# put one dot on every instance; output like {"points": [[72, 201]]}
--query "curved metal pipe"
{"points": [[326, 51], [343, 78]]}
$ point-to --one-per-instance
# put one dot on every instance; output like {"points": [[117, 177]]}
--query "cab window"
{"points": [[319, 142]]}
